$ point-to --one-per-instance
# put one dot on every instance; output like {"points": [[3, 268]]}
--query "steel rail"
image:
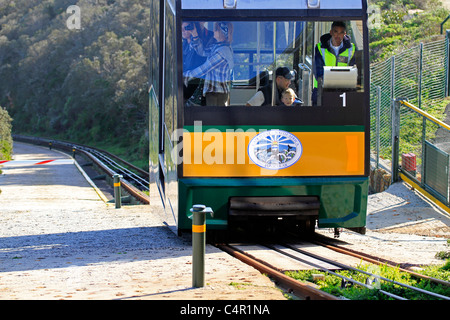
{"points": [[436, 295], [332, 272], [120, 169], [89, 153], [132, 190], [378, 261], [301, 289]]}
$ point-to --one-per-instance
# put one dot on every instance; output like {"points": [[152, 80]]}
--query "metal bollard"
{"points": [[117, 190], [198, 217], [74, 149]]}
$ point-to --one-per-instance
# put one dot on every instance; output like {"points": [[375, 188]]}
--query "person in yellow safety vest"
{"points": [[334, 49]]}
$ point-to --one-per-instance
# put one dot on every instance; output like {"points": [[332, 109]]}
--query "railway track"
{"points": [[262, 258], [134, 181], [300, 289]]}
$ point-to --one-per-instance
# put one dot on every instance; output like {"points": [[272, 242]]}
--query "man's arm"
{"points": [[319, 63]]}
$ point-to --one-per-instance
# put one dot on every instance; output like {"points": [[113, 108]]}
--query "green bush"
{"points": [[6, 142], [402, 28]]}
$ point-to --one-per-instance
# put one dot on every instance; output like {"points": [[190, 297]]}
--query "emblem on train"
{"points": [[275, 149]]}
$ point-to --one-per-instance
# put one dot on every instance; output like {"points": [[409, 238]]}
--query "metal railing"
{"points": [[421, 147]]}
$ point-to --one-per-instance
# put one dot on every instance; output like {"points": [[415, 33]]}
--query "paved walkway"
{"points": [[59, 240]]}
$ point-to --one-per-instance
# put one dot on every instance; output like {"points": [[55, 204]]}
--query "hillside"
{"points": [[87, 85], [404, 24]]}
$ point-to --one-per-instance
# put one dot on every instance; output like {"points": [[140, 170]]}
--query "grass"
{"points": [[411, 128], [438, 272], [335, 286]]}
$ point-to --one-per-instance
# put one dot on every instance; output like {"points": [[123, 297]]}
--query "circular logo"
{"points": [[275, 149]]}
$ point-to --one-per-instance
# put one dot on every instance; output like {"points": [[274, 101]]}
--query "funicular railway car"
{"points": [[220, 132]]}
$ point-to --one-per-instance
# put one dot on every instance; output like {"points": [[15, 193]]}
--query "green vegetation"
{"points": [[334, 285], [404, 24], [439, 272], [445, 255], [85, 85], [6, 142], [412, 124]]}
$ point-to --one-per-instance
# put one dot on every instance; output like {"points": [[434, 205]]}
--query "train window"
{"points": [[234, 63]]}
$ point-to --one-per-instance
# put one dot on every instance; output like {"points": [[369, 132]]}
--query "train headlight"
{"points": [[229, 4]]}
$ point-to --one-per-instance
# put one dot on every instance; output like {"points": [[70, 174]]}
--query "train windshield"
{"points": [[270, 63]]}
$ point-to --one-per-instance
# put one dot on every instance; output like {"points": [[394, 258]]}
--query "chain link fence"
{"points": [[421, 153], [420, 75], [407, 104]]}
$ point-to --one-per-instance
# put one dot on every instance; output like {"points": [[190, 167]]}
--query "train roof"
{"points": [[273, 4]]}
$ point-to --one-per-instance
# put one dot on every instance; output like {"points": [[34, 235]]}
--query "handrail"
{"points": [[442, 24], [425, 114]]}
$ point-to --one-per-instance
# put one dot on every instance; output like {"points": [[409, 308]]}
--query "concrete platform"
{"points": [[60, 240]]}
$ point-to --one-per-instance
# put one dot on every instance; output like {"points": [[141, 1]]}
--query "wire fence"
{"points": [[421, 153], [407, 107], [419, 75]]}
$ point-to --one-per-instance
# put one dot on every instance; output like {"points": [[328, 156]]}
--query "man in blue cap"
{"points": [[263, 97]]}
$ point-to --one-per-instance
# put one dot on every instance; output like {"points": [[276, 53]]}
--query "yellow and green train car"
{"points": [[250, 157]]}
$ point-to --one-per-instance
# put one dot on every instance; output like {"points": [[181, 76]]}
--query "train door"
{"points": [[163, 110]]}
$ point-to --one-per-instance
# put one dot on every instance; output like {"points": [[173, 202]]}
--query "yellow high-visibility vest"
{"points": [[343, 59]]}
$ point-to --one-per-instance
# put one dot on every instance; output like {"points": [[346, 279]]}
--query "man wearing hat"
{"points": [[263, 97]]}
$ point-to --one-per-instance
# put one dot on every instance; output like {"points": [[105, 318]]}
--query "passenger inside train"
{"points": [[216, 70], [250, 63]]}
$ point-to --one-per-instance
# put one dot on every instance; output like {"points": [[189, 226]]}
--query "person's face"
{"points": [[185, 34], [337, 35], [217, 36], [287, 99], [282, 82]]}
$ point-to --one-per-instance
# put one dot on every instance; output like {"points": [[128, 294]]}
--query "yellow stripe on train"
{"points": [[226, 154]]}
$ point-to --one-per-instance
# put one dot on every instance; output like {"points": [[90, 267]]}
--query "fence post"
{"points": [[419, 93], [424, 139], [395, 139], [117, 190], [378, 125], [447, 64], [392, 77], [199, 212]]}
